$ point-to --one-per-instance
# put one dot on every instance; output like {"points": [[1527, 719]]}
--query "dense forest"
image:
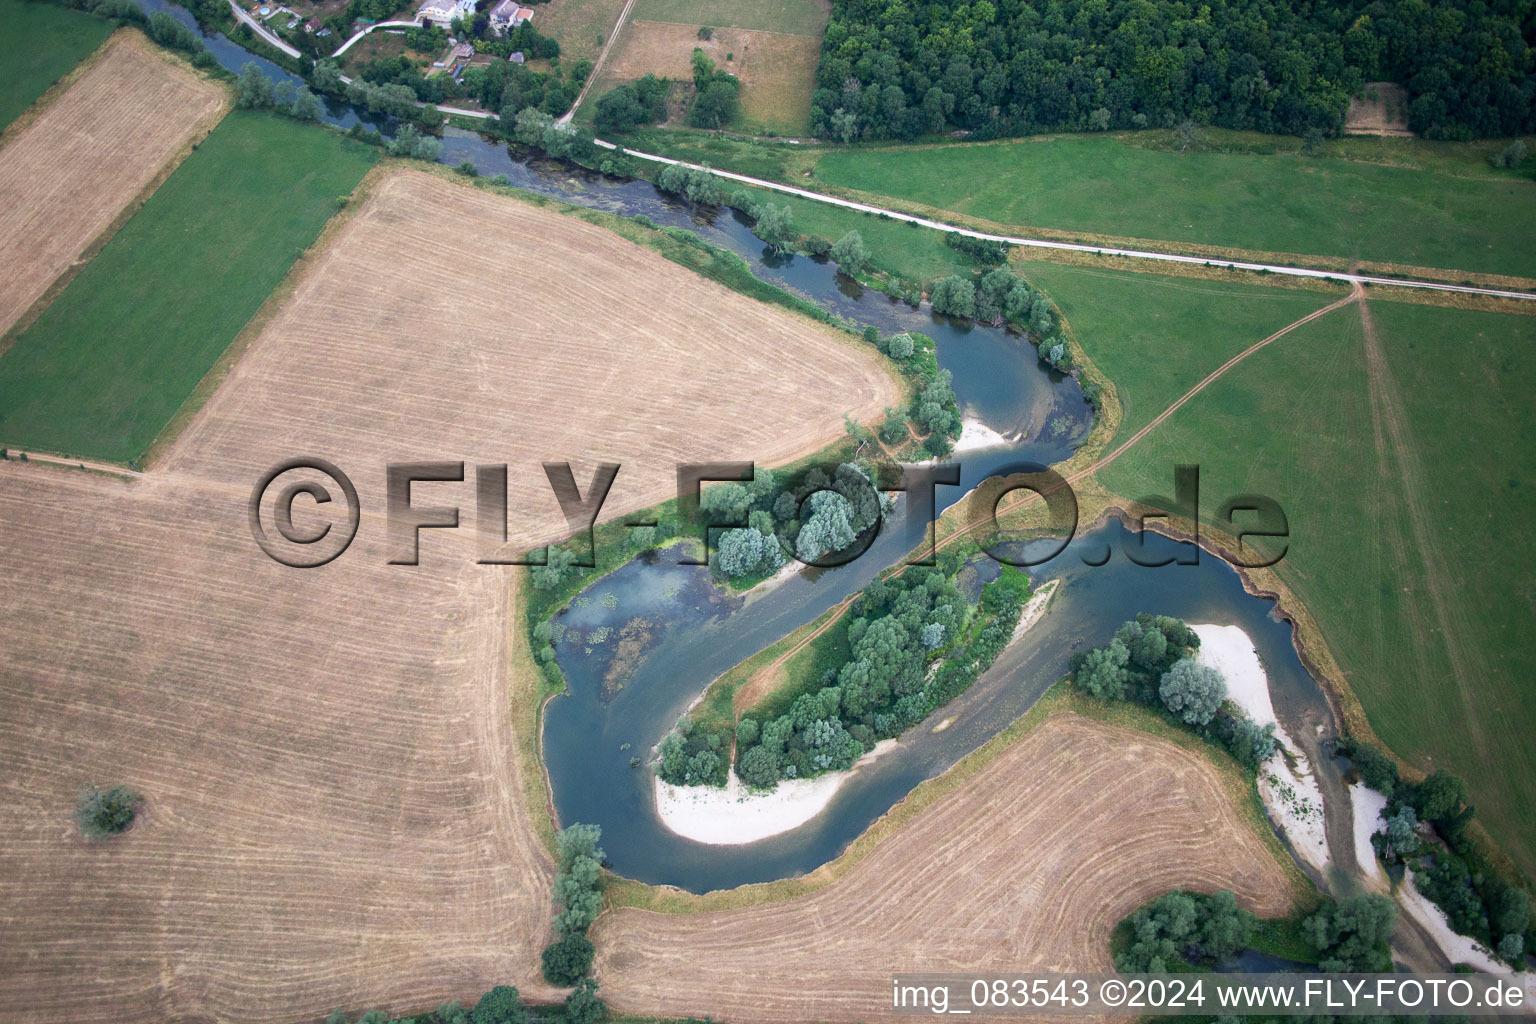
{"points": [[893, 69]]}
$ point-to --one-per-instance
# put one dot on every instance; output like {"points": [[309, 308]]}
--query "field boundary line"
{"points": [[200, 132]]}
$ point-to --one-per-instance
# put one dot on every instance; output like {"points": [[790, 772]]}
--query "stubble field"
{"points": [[1028, 866], [66, 177], [447, 323], [334, 813]]}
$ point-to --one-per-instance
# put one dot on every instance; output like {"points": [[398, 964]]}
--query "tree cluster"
{"points": [[1012, 67], [717, 94], [628, 106], [897, 630], [1185, 929], [579, 891], [1150, 661], [1351, 935], [255, 91]]}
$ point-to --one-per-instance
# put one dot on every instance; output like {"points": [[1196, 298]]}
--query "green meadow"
{"points": [[1405, 468], [107, 365], [40, 44]]}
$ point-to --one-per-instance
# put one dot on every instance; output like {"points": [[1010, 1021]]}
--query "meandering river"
{"points": [[690, 632]]}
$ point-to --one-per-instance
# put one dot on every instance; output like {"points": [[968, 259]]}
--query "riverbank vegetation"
{"points": [[1190, 931], [909, 643], [105, 367], [1425, 825], [40, 44], [991, 294], [1150, 661], [890, 72]]}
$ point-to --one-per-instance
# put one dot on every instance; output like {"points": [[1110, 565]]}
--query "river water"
{"points": [[688, 632]]}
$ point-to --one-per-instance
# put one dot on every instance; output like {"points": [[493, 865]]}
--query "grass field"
{"points": [[108, 364], [1027, 865], [1156, 337], [1471, 220], [1402, 472], [580, 26], [777, 71], [75, 170], [791, 17], [39, 44]]}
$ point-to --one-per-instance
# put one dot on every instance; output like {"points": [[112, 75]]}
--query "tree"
{"points": [[583, 1006], [529, 126], [1398, 837], [740, 551], [900, 347], [103, 813], [773, 227], [850, 255], [759, 767], [1352, 934], [575, 841], [717, 104], [828, 528], [567, 960], [1376, 769], [253, 89], [1440, 796], [1193, 691], [954, 296], [619, 110], [306, 105], [932, 636], [558, 562], [1102, 672], [501, 1005]]}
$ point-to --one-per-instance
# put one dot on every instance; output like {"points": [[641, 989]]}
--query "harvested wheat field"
{"points": [[447, 323], [1028, 866], [67, 176], [334, 815]]}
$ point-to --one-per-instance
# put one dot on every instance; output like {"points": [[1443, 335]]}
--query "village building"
{"points": [[507, 15], [442, 12]]}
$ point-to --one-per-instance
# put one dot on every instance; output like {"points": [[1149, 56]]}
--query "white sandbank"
{"points": [[1458, 948], [736, 814], [1367, 805], [1286, 783], [1034, 608], [976, 435]]}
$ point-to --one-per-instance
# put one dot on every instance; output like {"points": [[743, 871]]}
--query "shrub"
{"points": [[103, 813], [566, 961]]}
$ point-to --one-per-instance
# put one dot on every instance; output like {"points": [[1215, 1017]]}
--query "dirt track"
{"points": [[1028, 866], [334, 816], [66, 177]]}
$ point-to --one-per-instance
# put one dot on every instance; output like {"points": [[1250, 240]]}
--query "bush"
{"points": [[566, 961], [102, 814]]}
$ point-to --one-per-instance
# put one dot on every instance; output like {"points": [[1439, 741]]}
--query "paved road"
{"points": [[262, 30], [1040, 243], [344, 47]]}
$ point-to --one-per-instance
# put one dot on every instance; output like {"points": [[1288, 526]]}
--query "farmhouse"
{"points": [[507, 15], [441, 12]]}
